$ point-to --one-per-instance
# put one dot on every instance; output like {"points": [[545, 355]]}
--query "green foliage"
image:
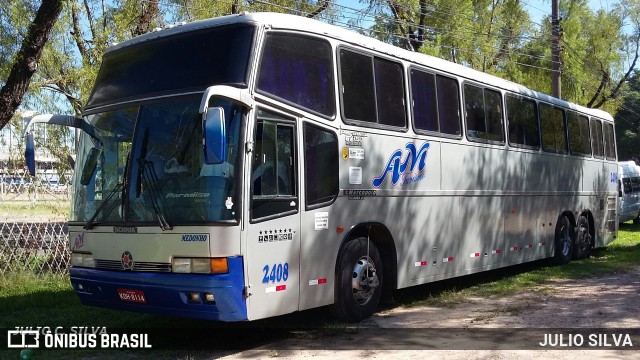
{"points": [[498, 37], [628, 122]]}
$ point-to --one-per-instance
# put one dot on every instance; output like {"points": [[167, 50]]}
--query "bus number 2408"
{"points": [[278, 273]]}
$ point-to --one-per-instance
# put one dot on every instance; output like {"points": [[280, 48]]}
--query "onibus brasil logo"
{"points": [[409, 170]]}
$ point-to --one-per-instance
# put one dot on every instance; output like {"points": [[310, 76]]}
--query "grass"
{"points": [[49, 300], [26, 209]]}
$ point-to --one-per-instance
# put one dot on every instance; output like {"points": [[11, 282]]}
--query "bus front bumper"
{"points": [[165, 293]]}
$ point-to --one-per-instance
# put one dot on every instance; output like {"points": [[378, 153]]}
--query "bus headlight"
{"points": [[83, 260], [200, 265], [181, 265]]}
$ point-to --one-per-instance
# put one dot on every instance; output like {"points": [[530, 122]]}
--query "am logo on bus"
{"points": [[397, 167]]}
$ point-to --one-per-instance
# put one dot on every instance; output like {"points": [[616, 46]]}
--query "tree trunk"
{"points": [[26, 61]]}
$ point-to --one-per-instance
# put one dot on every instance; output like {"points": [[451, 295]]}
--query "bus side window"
{"points": [[596, 137], [554, 138], [273, 169], [484, 113], [321, 167], [522, 122], [609, 142], [579, 138]]}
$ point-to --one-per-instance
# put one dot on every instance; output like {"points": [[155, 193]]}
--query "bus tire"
{"points": [[583, 241], [358, 281], [563, 241]]}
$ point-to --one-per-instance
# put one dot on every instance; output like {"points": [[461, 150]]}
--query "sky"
{"points": [[537, 9]]}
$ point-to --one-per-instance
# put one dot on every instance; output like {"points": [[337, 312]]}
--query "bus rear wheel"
{"points": [[563, 241], [358, 281], [583, 240]]}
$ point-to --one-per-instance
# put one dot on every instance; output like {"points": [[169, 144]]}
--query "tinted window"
{"points": [[273, 169], [358, 97], [321, 170], [484, 113], [435, 103], [523, 122], [389, 93], [187, 61], [579, 138], [448, 105], [372, 89], [626, 182], [298, 69], [423, 95], [596, 138], [552, 127], [609, 142]]}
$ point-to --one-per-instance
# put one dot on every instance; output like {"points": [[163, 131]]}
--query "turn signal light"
{"points": [[219, 266]]}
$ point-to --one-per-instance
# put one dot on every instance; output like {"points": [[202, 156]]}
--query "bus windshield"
{"points": [[173, 64], [151, 167]]}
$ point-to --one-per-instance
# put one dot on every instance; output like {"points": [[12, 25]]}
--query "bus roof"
{"points": [[303, 24]]}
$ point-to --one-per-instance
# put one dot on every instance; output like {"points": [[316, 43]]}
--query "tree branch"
{"points": [[26, 61], [92, 26], [614, 93], [77, 33], [406, 31], [323, 5], [146, 17]]}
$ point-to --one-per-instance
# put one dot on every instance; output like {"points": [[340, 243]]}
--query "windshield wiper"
{"points": [[150, 178], [89, 224], [147, 173]]}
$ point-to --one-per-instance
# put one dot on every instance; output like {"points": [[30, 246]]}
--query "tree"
{"points": [[628, 122], [26, 61], [498, 37]]}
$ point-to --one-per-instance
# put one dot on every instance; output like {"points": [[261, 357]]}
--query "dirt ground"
{"points": [[489, 328]]}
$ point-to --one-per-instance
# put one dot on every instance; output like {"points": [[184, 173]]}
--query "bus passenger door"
{"points": [[273, 229]]}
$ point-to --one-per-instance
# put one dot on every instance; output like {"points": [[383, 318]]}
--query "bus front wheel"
{"points": [[563, 241], [358, 280]]}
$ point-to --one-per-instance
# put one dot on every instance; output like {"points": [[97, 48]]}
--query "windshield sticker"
{"points": [[407, 171], [228, 203], [195, 237], [78, 242], [355, 175], [321, 220], [195, 194]]}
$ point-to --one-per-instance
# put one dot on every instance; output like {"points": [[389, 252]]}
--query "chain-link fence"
{"points": [[33, 215]]}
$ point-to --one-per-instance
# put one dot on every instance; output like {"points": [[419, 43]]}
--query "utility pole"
{"points": [[555, 50]]}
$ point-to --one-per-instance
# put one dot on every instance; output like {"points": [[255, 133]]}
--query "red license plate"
{"points": [[128, 295]]}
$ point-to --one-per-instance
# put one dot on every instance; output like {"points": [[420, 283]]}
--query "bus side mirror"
{"points": [[90, 166], [214, 136], [30, 154]]}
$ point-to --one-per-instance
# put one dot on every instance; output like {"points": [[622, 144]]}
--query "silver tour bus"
{"points": [[254, 165]]}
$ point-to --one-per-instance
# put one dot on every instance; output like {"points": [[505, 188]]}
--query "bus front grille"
{"points": [[137, 266]]}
